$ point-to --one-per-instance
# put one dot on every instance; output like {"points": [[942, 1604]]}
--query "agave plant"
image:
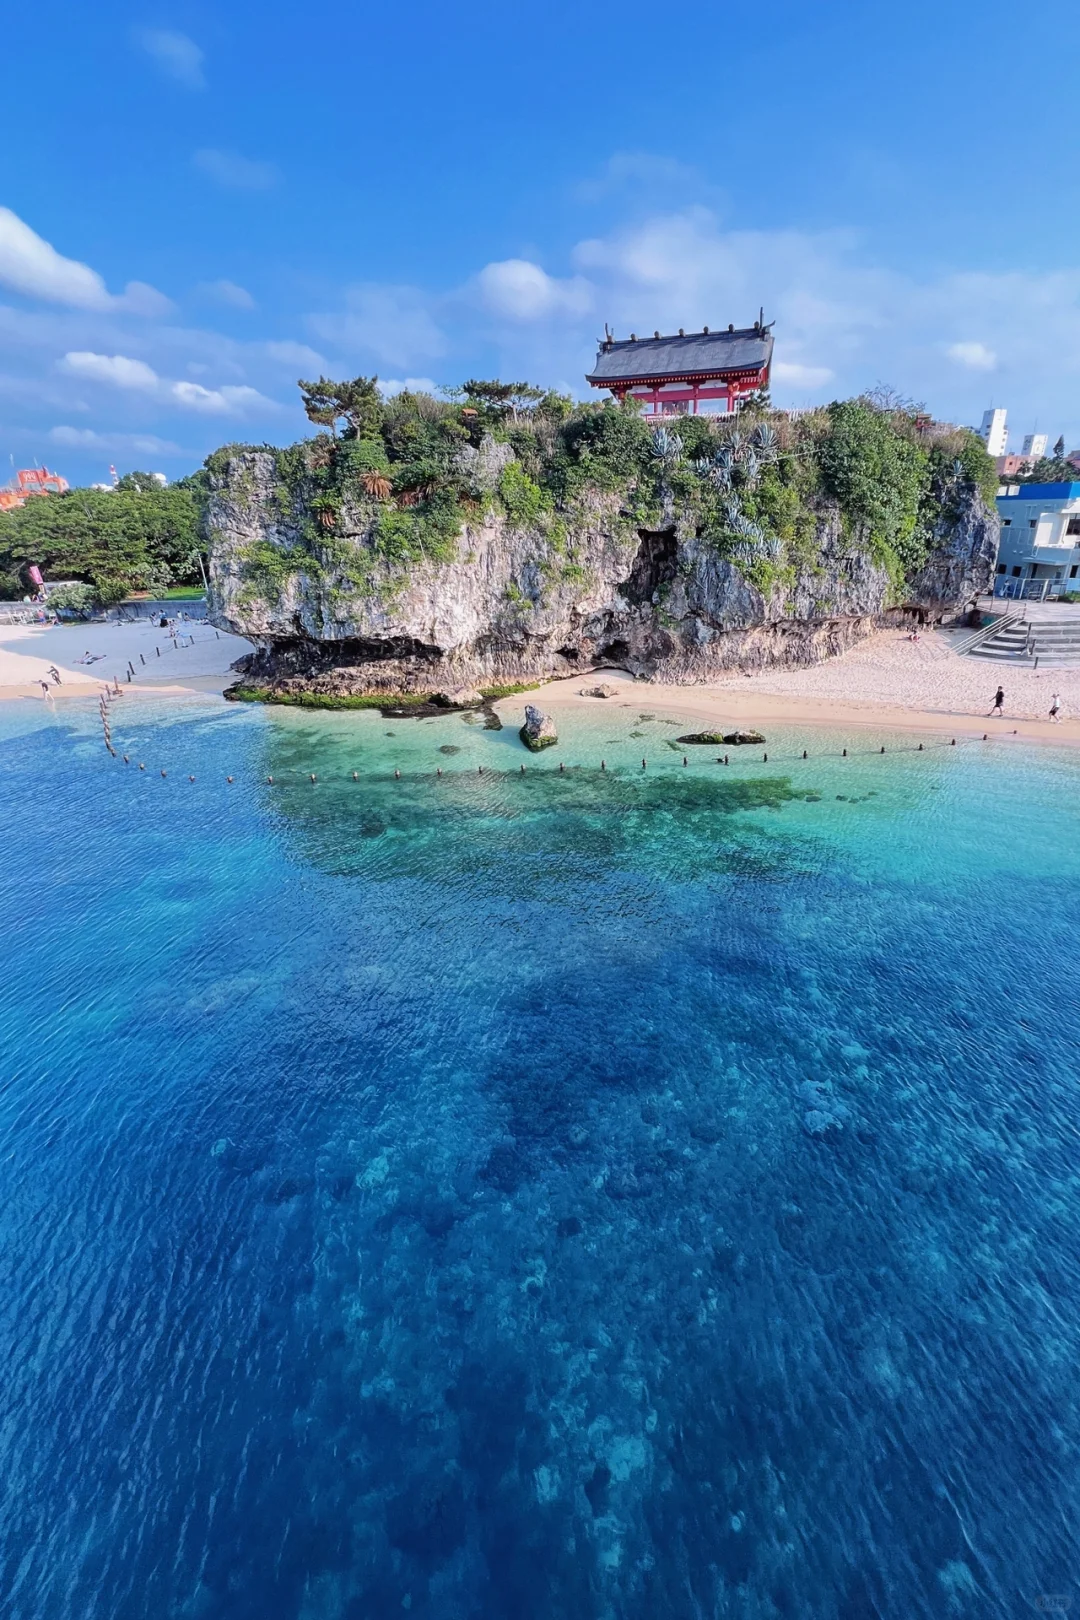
{"points": [[751, 467], [666, 446], [765, 439], [376, 484]]}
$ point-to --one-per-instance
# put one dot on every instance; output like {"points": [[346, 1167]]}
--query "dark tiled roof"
{"points": [[696, 354]]}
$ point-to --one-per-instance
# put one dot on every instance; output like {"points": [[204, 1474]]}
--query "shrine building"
{"points": [[690, 372]]}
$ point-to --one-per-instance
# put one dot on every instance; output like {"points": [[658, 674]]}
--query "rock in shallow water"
{"points": [[822, 1122], [539, 729]]}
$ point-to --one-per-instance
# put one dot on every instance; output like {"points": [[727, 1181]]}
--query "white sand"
{"points": [[27, 650], [886, 682]]}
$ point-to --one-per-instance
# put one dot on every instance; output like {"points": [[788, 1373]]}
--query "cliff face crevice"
{"points": [[520, 600]]}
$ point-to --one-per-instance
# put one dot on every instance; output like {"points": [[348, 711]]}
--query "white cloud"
{"points": [[227, 401], [976, 356], [296, 356], [389, 386], [521, 290], [800, 376], [234, 171], [146, 444], [178, 57], [31, 266], [116, 369], [396, 325], [227, 293]]}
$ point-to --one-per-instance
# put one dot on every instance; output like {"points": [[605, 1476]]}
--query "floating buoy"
{"points": [[142, 767]]}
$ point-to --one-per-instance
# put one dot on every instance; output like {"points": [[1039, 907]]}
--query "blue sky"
{"points": [[200, 203]]}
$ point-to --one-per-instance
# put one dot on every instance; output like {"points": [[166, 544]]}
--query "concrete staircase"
{"points": [[1057, 641], [1047, 642], [1007, 645]]}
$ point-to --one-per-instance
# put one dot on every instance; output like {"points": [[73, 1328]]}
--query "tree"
{"points": [[1059, 447], [499, 400], [357, 403], [142, 536], [77, 599]]}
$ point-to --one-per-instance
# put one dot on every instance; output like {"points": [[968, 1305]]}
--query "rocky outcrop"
{"points": [[521, 602], [539, 729]]}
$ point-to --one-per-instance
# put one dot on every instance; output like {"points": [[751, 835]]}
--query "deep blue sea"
{"points": [[624, 1195]]}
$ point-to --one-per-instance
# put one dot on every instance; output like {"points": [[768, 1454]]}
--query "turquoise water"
{"points": [[619, 1195]]}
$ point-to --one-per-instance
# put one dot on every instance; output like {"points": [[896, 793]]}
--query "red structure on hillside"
{"points": [[674, 375], [31, 481]]}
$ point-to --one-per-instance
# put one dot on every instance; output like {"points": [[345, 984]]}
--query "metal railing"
{"points": [[1006, 622]]}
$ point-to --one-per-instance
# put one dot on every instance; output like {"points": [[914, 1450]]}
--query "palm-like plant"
{"points": [[376, 484]]}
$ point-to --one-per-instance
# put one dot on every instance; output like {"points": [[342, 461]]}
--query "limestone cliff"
{"points": [[603, 577]]}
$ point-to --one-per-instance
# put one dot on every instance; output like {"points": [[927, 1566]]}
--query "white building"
{"points": [[1035, 446], [1039, 550], [995, 431]]}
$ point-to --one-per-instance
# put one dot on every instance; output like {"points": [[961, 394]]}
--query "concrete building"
{"points": [[1035, 446], [1039, 551], [995, 431]]}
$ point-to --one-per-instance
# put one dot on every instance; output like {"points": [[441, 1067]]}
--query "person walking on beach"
{"points": [[1055, 708], [999, 699], [55, 673]]}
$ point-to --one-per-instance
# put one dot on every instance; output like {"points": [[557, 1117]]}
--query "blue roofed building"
{"points": [[1039, 551]]}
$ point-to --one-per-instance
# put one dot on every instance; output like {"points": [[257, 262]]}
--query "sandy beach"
{"points": [[886, 682], [199, 661]]}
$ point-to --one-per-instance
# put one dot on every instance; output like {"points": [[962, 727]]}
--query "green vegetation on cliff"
{"points": [[405, 478]]}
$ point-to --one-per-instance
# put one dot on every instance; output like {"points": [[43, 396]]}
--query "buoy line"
{"points": [[313, 778]]}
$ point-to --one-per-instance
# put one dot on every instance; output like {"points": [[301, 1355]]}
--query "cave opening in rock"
{"points": [[655, 564]]}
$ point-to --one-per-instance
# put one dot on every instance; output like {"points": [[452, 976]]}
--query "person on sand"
{"points": [[44, 689], [999, 700], [55, 673], [1055, 708]]}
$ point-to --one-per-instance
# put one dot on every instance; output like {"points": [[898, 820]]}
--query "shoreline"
{"points": [[741, 707], [886, 683]]}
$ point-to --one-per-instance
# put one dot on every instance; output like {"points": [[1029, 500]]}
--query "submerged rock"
{"points": [[599, 691], [822, 1122], [539, 729]]}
